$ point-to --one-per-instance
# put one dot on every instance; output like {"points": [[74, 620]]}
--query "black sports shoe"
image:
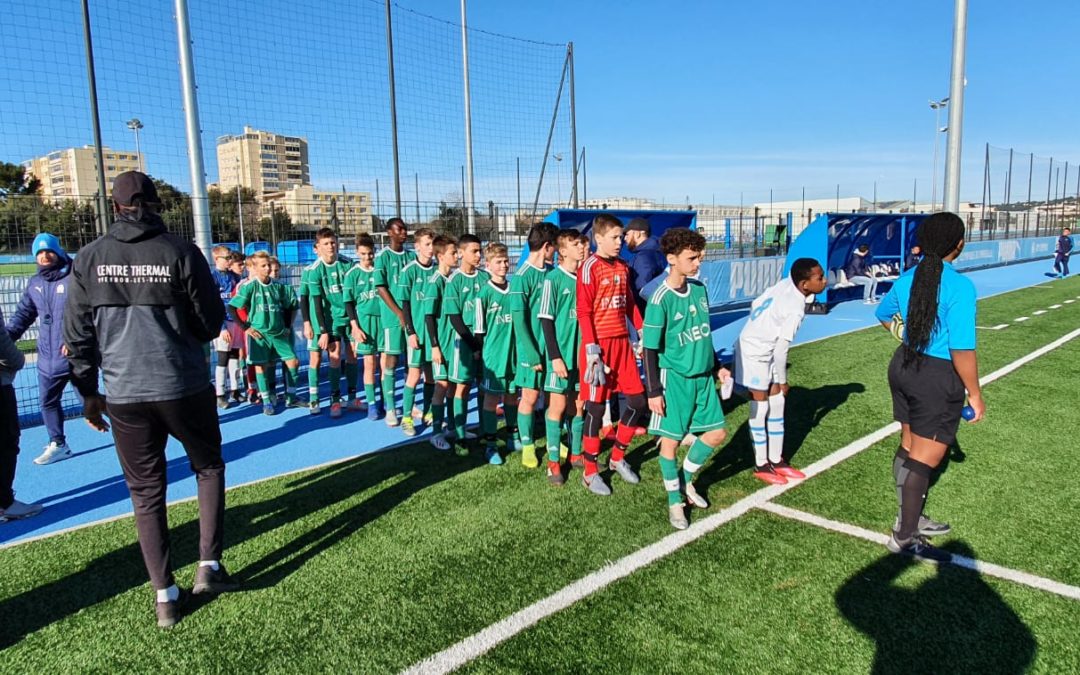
{"points": [[209, 580], [928, 527], [168, 613], [918, 547]]}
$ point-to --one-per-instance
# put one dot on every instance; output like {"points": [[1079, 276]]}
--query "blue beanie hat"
{"points": [[47, 242]]}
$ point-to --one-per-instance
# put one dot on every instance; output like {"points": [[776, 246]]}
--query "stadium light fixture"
{"points": [[135, 124], [936, 106]]}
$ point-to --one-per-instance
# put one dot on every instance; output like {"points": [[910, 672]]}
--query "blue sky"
{"points": [[674, 99]]}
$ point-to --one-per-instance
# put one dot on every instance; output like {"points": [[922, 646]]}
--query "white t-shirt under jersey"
{"points": [[775, 315]]}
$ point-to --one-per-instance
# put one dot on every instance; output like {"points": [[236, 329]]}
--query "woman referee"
{"points": [[929, 373]]}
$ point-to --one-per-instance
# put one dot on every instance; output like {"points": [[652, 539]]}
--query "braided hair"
{"points": [[938, 235]]}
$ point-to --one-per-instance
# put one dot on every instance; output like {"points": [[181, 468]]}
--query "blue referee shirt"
{"points": [[955, 327]]}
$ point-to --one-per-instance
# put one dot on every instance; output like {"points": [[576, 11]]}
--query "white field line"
{"points": [[997, 327], [480, 643], [1055, 306], [1069, 301], [989, 569], [1021, 318], [1039, 311]]}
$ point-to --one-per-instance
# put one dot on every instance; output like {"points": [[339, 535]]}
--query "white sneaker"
{"points": [[695, 498], [391, 418], [19, 510], [54, 453]]}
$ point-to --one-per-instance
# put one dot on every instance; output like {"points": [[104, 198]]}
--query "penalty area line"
{"points": [[478, 644], [985, 568]]}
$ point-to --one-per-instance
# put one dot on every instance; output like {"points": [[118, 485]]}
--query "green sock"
{"points": [[369, 393], [670, 471], [313, 383], [408, 398], [264, 388], [429, 392], [554, 434], [525, 428], [335, 384], [459, 408], [389, 397], [489, 422], [438, 413], [699, 453], [352, 373], [292, 375], [577, 428]]}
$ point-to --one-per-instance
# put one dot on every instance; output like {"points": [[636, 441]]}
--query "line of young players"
{"points": [[568, 331]]}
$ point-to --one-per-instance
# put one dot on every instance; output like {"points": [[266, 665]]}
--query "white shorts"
{"points": [[753, 373]]}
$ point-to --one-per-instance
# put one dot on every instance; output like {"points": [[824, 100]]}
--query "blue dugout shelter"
{"points": [[581, 220], [832, 238]]}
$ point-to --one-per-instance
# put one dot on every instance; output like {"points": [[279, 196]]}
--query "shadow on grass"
{"points": [[952, 623], [122, 569], [805, 409]]}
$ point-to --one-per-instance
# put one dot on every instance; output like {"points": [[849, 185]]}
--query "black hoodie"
{"points": [[141, 305]]}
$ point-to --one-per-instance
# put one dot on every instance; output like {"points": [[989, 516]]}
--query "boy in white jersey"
{"points": [[761, 364]]}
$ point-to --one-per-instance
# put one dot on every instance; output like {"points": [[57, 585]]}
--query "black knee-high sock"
{"points": [[913, 496], [898, 472]]}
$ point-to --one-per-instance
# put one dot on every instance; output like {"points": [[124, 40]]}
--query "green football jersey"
{"points": [[461, 294], [361, 290], [412, 283], [494, 322], [266, 305], [435, 302], [306, 276], [327, 282], [525, 289], [558, 302], [388, 266], [677, 327]]}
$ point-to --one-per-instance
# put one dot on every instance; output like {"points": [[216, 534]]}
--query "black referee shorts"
{"points": [[928, 395]]}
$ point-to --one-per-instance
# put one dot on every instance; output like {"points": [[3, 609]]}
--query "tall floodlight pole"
{"points": [[393, 109], [102, 195], [956, 110], [239, 206], [468, 121], [200, 203], [135, 124], [936, 106], [573, 125]]}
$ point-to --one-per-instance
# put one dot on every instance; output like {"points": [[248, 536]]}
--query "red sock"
{"points": [[624, 433], [617, 452], [590, 448], [554, 467]]}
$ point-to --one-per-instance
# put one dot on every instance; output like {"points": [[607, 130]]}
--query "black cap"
{"points": [[131, 184], [639, 224]]}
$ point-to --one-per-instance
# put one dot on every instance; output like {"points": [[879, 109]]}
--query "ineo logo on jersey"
{"points": [[694, 334]]}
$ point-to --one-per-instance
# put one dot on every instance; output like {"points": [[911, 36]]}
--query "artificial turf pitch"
{"points": [[374, 564]]}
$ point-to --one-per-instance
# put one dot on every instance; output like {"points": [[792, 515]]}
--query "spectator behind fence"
{"points": [[913, 257], [648, 261], [43, 300], [11, 360], [141, 306], [858, 272]]}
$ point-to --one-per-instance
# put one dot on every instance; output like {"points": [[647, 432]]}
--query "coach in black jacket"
{"points": [[141, 305]]}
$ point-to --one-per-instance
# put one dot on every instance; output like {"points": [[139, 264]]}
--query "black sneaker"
{"points": [[222, 402], [928, 527], [209, 580], [918, 547], [168, 613]]}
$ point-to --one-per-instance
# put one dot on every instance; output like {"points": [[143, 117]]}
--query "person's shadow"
{"points": [[304, 497], [952, 623]]}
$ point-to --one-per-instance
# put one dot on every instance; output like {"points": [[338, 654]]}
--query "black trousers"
{"points": [[9, 443], [141, 431]]}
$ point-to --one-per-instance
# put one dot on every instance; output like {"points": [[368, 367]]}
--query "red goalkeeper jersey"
{"points": [[605, 299]]}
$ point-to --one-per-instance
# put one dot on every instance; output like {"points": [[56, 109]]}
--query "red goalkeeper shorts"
{"points": [[622, 373]]}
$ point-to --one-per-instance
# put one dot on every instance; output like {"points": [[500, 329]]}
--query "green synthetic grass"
{"points": [[767, 595], [17, 269], [376, 563]]}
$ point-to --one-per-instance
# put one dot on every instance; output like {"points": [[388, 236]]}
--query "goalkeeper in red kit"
{"points": [[604, 303]]}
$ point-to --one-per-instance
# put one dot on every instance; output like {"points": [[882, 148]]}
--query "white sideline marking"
{"points": [[478, 644], [1039, 311], [1069, 301], [989, 569], [1021, 318], [1055, 306], [997, 327]]}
